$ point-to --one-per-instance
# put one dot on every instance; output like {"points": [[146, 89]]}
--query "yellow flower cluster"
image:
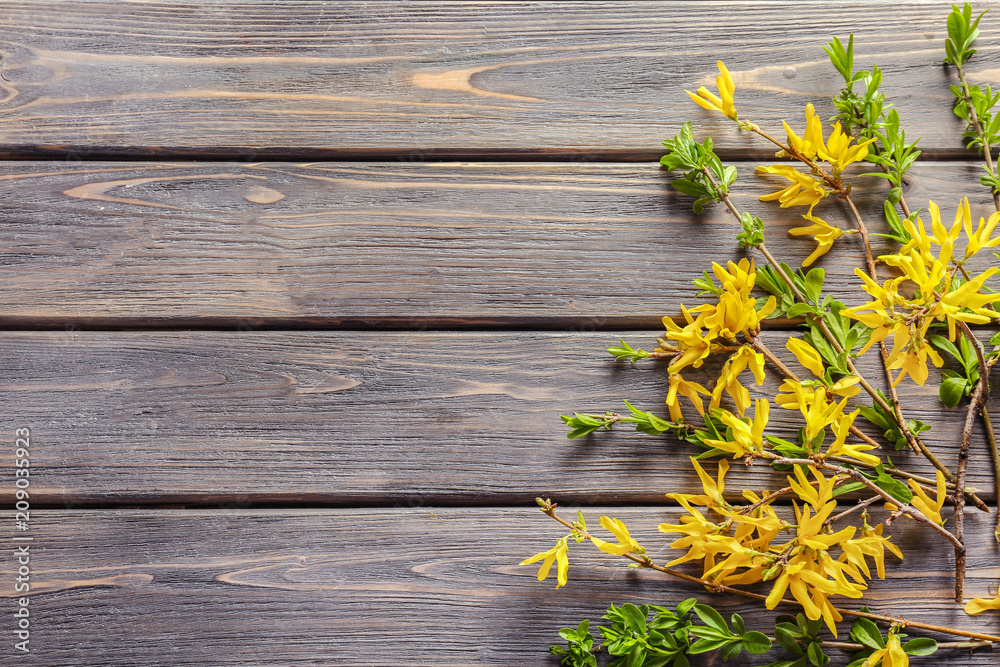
{"points": [[743, 548], [939, 295], [822, 403], [711, 327], [708, 100]]}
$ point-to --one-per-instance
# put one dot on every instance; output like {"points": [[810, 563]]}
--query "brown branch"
{"points": [[861, 435], [897, 410], [861, 505], [856, 475], [976, 402], [644, 561], [991, 439]]}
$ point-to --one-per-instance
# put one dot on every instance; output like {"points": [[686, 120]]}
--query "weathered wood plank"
{"points": [[422, 80], [529, 245], [406, 419], [410, 586]]}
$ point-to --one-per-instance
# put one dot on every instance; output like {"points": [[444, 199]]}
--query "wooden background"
{"points": [[293, 295]]}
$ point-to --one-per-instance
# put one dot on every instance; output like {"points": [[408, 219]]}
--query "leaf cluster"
{"points": [[887, 422], [897, 232], [873, 117], [700, 165], [962, 32], [668, 638], [800, 636], [865, 632], [581, 423], [894, 154], [957, 385], [983, 101], [862, 110]]}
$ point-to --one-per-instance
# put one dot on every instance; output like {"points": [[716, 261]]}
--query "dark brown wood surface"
{"points": [[378, 418], [287, 410], [557, 246], [423, 80], [393, 586]]}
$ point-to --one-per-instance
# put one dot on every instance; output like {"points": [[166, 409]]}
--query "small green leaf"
{"points": [[865, 632], [952, 390], [634, 618], [816, 655], [920, 646], [756, 642], [712, 618], [685, 606]]}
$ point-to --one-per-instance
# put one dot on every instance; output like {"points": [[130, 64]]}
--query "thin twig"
{"points": [[861, 435], [976, 402], [856, 475], [897, 410], [991, 439], [861, 505], [977, 126], [645, 561]]}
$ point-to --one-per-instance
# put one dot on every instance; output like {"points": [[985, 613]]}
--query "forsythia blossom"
{"points": [[724, 103]]}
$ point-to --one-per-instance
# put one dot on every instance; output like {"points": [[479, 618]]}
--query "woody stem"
{"points": [[645, 561]]}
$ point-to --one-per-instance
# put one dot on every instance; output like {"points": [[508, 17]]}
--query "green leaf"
{"points": [[706, 645], [634, 618], [816, 655], [636, 656], [865, 632], [756, 642], [920, 646], [894, 488], [814, 284], [685, 606], [786, 635], [952, 390], [738, 625], [800, 309], [848, 488], [730, 651], [712, 618]]}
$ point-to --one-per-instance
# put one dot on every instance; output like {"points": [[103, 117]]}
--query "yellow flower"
{"points": [[980, 238], [805, 190], [979, 605], [679, 385], [967, 296], [822, 232], [892, 655], [693, 340], [555, 554], [807, 355], [729, 378], [713, 490], [931, 508], [812, 139], [871, 543], [707, 100], [818, 411], [817, 496], [625, 542], [696, 530], [839, 152], [842, 426], [913, 361], [746, 438]]}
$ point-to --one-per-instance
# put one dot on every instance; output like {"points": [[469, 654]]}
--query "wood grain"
{"points": [[562, 246], [429, 80], [402, 419], [406, 586]]}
